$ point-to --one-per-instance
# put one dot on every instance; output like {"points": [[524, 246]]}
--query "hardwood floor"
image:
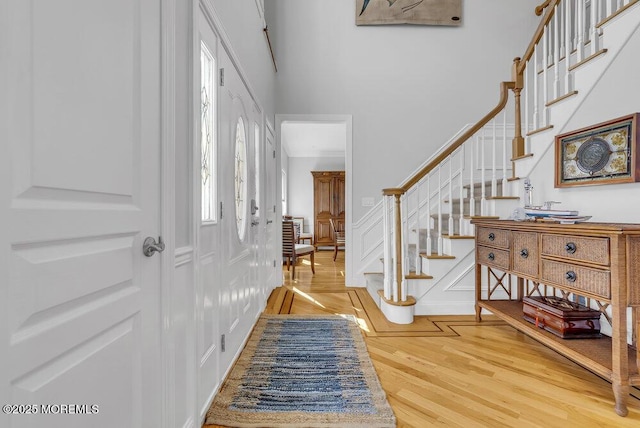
{"points": [[454, 372]]}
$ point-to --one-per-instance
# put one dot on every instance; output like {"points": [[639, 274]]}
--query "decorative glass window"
{"points": [[256, 129], [207, 70], [241, 177]]}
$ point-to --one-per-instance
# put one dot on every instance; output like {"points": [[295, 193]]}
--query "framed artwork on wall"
{"points": [[604, 153], [420, 12]]}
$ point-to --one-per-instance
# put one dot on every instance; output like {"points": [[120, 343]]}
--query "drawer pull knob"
{"points": [[570, 276], [524, 253], [491, 256], [571, 247], [492, 236]]}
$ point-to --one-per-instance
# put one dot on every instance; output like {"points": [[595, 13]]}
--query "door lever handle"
{"points": [[150, 246]]}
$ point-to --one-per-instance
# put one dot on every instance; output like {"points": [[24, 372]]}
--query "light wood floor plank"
{"points": [[450, 371]]}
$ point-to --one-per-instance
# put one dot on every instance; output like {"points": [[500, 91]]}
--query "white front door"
{"points": [[237, 304], [256, 209], [272, 239], [79, 192], [207, 218]]}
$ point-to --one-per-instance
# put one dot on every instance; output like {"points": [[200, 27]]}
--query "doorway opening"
{"points": [[311, 143]]}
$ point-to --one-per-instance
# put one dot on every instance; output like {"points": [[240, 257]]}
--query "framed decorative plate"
{"points": [[605, 153]]}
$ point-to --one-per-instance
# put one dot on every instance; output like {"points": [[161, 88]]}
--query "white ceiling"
{"points": [[302, 139]]}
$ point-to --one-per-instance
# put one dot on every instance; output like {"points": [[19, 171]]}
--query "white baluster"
{"points": [[483, 198], [593, 30], [429, 246], [405, 249], [580, 30], [440, 210], [472, 167], [608, 4], [545, 77], [450, 220], [417, 259], [461, 190], [556, 53], [386, 230], [405, 244], [396, 252], [536, 92], [494, 160], [568, 85], [505, 181]]}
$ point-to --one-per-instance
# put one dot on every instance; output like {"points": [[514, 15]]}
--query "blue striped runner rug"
{"points": [[303, 371]]}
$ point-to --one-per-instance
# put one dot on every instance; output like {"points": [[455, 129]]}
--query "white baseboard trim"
{"points": [[446, 308]]}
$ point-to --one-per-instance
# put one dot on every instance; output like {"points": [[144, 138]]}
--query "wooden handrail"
{"points": [[519, 66], [504, 97], [528, 53], [540, 9]]}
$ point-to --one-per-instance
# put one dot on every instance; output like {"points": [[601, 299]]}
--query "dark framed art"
{"points": [[604, 153]]}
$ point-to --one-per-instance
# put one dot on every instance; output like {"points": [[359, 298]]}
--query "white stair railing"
{"points": [[569, 34]]}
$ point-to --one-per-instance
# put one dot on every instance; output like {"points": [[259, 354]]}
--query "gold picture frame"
{"points": [[604, 153]]}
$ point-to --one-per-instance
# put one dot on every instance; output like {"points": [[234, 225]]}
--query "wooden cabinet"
{"points": [[595, 262], [328, 203]]}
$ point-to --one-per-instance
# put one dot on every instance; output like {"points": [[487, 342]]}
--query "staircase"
{"points": [[427, 247], [451, 270]]}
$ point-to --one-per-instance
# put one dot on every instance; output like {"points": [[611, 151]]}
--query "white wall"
{"points": [[244, 25], [615, 95], [301, 184], [409, 88], [284, 166]]}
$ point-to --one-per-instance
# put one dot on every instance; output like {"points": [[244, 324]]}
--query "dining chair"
{"points": [[291, 250], [339, 239]]}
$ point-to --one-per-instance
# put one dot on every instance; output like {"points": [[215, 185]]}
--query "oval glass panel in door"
{"points": [[241, 177]]}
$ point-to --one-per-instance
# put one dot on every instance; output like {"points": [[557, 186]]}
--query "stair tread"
{"points": [[502, 197], [537, 131], [473, 217], [459, 236], [413, 275], [411, 301], [525, 156], [478, 184], [436, 256]]}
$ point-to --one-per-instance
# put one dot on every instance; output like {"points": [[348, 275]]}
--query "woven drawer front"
{"points": [[493, 257], [493, 237], [594, 250], [525, 252], [633, 266], [578, 278]]}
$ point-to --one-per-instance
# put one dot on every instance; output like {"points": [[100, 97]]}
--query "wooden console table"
{"points": [[596, 262]]}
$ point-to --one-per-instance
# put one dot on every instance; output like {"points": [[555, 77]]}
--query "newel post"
{"points": [[397, 193], [517, 146]]}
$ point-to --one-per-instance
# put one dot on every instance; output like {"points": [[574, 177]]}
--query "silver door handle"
{"points": [[150, 246], [269, 221]]}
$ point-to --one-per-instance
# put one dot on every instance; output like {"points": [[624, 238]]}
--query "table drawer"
{"points": [[525, 253], [493, 237], [592, 250], [493, 257], [579, 278]]}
